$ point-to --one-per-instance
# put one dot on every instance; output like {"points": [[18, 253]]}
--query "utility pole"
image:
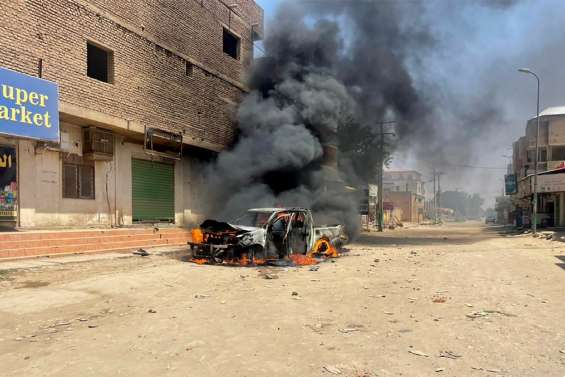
{"points": [[439, 174], [535, 195], [380, 173], [435, 196]]}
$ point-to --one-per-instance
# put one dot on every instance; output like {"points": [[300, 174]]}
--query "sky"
{"points": [[475, 66]]}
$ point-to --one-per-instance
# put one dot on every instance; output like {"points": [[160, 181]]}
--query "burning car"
{"points": [[265, 234]]}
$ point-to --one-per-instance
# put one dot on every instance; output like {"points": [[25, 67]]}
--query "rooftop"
{"points": [[556, 110]]}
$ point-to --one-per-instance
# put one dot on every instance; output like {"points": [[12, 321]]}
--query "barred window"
{"points": [[78, 181]]}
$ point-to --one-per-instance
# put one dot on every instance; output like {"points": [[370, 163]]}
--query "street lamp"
{"points": [[535, 201]]}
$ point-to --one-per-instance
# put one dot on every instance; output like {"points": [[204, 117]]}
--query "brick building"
{"points": [[137, 79], [404, 194], [551, 170]]}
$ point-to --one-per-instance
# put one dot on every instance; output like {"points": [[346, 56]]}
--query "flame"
{"points": [[197, 235], [302, 260], [324, 248], [243, 261]]}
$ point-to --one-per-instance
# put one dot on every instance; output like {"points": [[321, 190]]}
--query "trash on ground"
{"points": [[418, 353]]}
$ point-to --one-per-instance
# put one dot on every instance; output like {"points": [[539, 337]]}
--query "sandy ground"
{"points": [[455, 300]]}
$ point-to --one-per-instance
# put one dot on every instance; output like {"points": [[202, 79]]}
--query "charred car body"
{"points": [[263, 234]]}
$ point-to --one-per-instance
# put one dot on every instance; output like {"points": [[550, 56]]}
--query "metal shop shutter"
{"points": [[153, 191]]}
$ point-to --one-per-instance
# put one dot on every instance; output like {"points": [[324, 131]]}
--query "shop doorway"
{"points": [[8, 186], [153, 191]]}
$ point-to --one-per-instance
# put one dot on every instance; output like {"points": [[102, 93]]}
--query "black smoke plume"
{"points": [[332, 71]]}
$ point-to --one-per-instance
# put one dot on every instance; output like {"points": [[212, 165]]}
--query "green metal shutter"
{"points": [[153, 191]]}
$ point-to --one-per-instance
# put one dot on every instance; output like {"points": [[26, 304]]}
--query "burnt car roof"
{"points": [[277, 209]]}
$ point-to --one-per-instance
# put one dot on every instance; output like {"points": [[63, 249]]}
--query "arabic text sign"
{"points": [[29, 107], [510, 184], [8, 183]]}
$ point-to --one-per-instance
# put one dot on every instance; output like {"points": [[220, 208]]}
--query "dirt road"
{"points": [[456, 300]]}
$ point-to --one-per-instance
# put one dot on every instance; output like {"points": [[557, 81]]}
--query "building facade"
{"points": [[551, 170], [405, 190], [147, 93]]}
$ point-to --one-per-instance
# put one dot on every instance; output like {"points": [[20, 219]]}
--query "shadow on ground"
{"points": [[562, 259], [432, 235]]}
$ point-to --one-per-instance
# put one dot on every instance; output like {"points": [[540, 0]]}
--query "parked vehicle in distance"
{"points": [[490, 220]]}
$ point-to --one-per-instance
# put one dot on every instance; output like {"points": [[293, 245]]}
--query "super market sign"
{"points": [[29, 106]]}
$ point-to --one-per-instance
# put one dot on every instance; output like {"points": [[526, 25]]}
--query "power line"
{"points": [[475, 167]]}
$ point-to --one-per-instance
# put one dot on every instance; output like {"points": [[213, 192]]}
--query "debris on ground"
{"points": [[152, 311], [314, 268], [268, 276], [439, 299], [331, 369], [141, 252], [449, 355], [200, 295], [485, 313], [418, 353]]}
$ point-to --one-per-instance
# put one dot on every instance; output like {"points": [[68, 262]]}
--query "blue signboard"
{"points": [[29, 106], [510, 184]]}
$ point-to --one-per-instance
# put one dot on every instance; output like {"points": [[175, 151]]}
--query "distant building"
{"points": [[551, 170], [405, 190]]}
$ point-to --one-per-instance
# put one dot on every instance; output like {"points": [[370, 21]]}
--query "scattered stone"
{"points": [[294, 293], [200, 295], [438, 370], [388, 313], [83, 319], [449, 355], [141, 253], [194, 344], [314, 268], [331, 369], [92, 326], [469, 305], [418, 353], [439, 299], [377, 260], [152, 311], [27, 358], [348, 330], [270, 276], [562, 351], [485, 313]]}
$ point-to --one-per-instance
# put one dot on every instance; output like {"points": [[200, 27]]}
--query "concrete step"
{"points": [[45, 235], [104, 239], [90, 247]]}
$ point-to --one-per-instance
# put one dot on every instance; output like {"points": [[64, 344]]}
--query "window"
{"points": [[100, 63], [231, 44], [542, 157], [78, 181], [189, 68], [558, 153]]}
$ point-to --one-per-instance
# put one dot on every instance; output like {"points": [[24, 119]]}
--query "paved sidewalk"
{"points": [[31, 263]]}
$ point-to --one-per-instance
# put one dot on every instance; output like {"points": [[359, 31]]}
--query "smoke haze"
{"points": [[444, 71]]}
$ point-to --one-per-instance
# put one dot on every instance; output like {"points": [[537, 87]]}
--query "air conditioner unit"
{"points": [[98, 144]]}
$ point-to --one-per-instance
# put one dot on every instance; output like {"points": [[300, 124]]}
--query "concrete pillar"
{"points": [[561, 199]]}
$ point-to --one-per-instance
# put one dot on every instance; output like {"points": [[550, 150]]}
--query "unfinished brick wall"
{"points": [[151, 41]]}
